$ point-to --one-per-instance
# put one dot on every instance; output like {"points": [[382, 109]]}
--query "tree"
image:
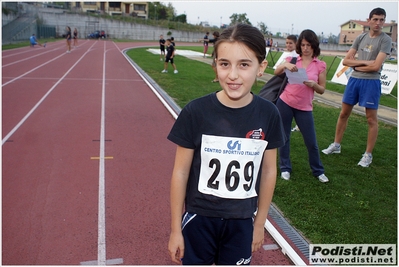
{"points": [[157, 10], [263, 29], [239, 18]]}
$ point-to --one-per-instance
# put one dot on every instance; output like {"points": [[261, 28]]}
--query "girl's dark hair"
{"points": [[246, 34], [311, 37]]}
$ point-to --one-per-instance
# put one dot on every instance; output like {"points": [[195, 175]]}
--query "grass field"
{"points": [[357, 206]]}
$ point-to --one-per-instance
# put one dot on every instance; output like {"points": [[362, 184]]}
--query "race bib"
{"points": [[230, 166]]}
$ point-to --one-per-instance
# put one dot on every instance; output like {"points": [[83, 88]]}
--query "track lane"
{"points": [[52, 179], [51, 154]]}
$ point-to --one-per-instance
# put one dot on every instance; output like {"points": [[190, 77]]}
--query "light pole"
{"points": [[155, 13]]}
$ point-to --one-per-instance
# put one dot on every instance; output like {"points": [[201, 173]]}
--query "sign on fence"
{"points": [[389, 76]]}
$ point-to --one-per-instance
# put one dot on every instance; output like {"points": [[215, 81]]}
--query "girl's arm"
{"points": [[266, 189], [181, 170]]}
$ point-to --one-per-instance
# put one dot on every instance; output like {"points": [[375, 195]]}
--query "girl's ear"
{"points": [[263, 66]]}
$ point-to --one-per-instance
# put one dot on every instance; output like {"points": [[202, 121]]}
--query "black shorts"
{"points": [[168, 59], [219, 241], [162, 49]]}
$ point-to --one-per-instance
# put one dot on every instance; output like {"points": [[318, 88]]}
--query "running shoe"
{"points": [[164, 71], [175, 72], [285, 175], [332, 149], [323, 178], [295, 129], [366, 160]]}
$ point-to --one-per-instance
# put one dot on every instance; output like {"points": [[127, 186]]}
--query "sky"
{"points": [[285, 16]]}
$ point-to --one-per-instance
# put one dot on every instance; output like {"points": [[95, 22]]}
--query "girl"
{"points": [[296, 102], [225, 164], [75, 37], [68, 39]]}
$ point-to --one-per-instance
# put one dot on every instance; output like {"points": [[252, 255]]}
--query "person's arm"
{"points": [[181, 171], [266, 189], [319, 87], [373, 65], [285, 65], [173, 53], [363, 65]]}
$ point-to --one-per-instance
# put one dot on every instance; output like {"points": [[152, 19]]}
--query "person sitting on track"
{"points": [[34, 41]]}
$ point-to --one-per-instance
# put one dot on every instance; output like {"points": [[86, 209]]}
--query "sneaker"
{"points": [[332, 149], [160, 59], [164, 71], [175, 72], [45, 44], [295, 129], [323, 178], [285, 175], [366, 160]]}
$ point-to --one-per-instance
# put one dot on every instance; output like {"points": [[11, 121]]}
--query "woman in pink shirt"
{"points": [[296, 102]]}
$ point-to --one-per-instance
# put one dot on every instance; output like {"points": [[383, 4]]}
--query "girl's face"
{"points": [[237, 68], [306, 48], [290, 45]]}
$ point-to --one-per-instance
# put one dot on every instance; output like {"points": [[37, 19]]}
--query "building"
{"points": [[135, 9], [353, 28]]}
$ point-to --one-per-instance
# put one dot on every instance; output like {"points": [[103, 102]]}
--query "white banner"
{"points": [[389, 76]]}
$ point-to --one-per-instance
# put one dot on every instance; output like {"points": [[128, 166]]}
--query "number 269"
{"points": [[232, 177]]}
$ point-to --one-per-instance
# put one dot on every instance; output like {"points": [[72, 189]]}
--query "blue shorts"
{"points": [[366, 92], [219, 241]]}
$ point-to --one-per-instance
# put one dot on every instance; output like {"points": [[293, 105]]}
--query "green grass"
{"points": [[358, 205], [26, 43]]}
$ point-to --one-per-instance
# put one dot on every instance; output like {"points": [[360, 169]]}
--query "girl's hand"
{"points": [[176, 247], [258, 238]]}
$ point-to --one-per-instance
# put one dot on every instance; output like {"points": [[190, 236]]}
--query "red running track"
{"points": [[85, 160]]}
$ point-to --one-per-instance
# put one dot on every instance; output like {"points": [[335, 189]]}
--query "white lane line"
{"points": [[101, 256], [38, 67], [15, 62], [42, 99], [166, 105]]}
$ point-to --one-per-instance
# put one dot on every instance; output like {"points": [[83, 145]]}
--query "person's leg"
{"points": [[200, 244], [372, 121], [205, 49], [305, 122], [342, 122], [236, 243], [286, 114]]}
